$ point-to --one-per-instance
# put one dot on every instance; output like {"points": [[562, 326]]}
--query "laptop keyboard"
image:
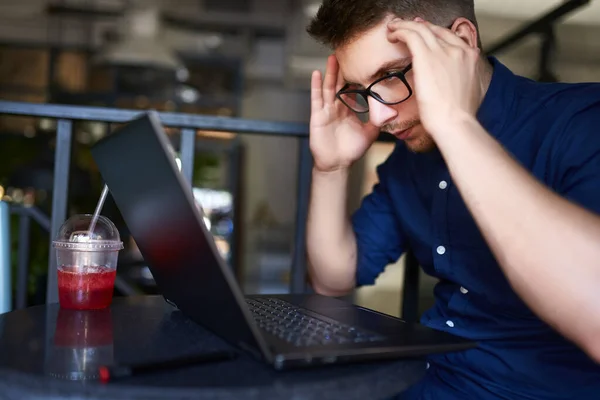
{"points": [[292, 324]]}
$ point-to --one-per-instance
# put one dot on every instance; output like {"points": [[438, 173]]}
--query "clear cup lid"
{"points": [[75, 234]]}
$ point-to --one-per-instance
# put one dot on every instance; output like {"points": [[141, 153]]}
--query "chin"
{"points": [[420, 144]]}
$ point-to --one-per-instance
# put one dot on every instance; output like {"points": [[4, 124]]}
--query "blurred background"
{"points": [[238, 58]]}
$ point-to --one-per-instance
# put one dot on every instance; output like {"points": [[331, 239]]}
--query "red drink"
{"points": [[91, 289]]}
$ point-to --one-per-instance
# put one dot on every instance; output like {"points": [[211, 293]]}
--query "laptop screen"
{"points": [[158, 206]]}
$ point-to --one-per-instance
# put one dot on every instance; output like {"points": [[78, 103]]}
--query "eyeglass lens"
{"points": [[391, 90]]}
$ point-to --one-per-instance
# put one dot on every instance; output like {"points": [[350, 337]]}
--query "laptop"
{"points": [[138, 165]]}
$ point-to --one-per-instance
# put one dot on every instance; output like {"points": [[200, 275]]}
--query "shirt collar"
{"points": [[497, 102]]}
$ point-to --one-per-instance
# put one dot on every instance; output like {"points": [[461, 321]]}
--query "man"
{"points": [[494, 184]]}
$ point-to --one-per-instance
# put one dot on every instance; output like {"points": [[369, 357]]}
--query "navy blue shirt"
{"points": [[553, 130]]}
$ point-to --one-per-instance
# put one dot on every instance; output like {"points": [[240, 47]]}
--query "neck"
{"points": [[485, 76]]}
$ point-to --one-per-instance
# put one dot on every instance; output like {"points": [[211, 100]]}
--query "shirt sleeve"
{"points": [[580, 165], [379, 237]]}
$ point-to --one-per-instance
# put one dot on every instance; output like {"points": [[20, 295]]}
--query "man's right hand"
{"points": [[337, 136]]}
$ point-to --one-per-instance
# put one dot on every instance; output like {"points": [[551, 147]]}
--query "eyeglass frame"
{"points": [[368, 92]]}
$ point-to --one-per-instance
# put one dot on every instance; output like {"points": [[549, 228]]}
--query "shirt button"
{"points": [[427, 366], [463, 290], [441, 250], [443, 185], [450, 324]]}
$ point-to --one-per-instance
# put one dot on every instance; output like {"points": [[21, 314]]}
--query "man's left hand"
{"points": [[445, 68]]}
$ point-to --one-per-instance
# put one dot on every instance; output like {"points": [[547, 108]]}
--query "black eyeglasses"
{"points": [[389, 89]]}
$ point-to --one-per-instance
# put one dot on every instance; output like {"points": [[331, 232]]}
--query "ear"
{"points": [[467, 31]]}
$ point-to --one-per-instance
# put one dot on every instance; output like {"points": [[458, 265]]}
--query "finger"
{"points": [[331, 75], [420, 28], [340, 81], [316, 92], [413, 40]]}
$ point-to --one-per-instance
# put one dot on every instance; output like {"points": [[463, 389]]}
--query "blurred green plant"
{"points": [[206, 170], [16, 151], [38, 257]]}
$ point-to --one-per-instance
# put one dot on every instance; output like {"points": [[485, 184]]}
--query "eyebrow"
{"points": [[383, 69]]}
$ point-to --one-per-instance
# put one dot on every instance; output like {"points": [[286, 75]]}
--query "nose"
{"points": [[380, 114]]}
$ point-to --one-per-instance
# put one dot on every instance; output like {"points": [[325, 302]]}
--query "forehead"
{"points": [[363, 56]]}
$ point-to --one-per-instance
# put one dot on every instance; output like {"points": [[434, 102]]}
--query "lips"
{"points": [[403, 135]]}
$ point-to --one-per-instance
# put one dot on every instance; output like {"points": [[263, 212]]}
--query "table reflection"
{"points": [[82, 342]]}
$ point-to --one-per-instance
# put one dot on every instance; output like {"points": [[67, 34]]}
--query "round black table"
{"points": [[49, 352]]}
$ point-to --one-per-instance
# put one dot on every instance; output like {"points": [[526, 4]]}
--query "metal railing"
{"points": [[188, 124], [544, 27]]}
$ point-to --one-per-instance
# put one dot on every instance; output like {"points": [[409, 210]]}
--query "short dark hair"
{"points": [[340, 21]]}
